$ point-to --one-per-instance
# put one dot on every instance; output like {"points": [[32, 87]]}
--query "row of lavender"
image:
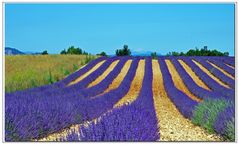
{"points": [[222, 65], [30, 116], [211, 83], [114, 126], [47, 116], [216, 113], [134, 122], [220, 75]]}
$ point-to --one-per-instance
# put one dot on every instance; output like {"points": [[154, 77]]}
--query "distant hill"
{"points": [[12, 51], [143, 53]]}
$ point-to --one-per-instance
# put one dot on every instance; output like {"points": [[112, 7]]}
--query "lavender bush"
{"points": [[225, 123]]}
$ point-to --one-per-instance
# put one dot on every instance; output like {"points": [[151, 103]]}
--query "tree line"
{"points": [[126, 51], [73, 50], [199, 52]]}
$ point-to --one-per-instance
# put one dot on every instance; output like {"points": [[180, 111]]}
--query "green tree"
{"points": [[226, 54], [154, 55], [73, 50], [103, 53], [44, 52], [124, 51], [63, 51], [181, 54], [117, 52]]}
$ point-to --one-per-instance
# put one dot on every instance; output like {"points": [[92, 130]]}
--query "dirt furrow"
{"points": [[195, 78], [229, 66], [178, 82], [223, 71], [104, 74], [86, 74], [172, 125], [117, 81], [210, 74], [135, 86]]}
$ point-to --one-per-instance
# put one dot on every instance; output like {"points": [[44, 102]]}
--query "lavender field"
{"points": [[126, 98]]}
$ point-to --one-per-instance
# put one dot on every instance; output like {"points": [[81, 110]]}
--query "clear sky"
{"points": [[107, 27]]}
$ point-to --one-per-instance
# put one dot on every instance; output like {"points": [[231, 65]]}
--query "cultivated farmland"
{"points": [[130, 99]]}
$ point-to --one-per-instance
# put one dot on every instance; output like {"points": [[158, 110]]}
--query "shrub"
{"points": [[206, 112]]}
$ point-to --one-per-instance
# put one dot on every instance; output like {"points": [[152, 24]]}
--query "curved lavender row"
{"points": [[34, 117], [75, 88], [227, 80], [134, 122], [184, 104], [192, 86], [105, 101], [228, 60], [64, 81], [222, 66], [103, 85], [224, 59], [212, 84], [94, 75]]}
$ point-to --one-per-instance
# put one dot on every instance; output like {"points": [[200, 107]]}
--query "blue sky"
{"points": [[107, 27]]}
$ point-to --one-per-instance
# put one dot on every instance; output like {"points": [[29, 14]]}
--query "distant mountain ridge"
{"points": [[12, 51]]}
